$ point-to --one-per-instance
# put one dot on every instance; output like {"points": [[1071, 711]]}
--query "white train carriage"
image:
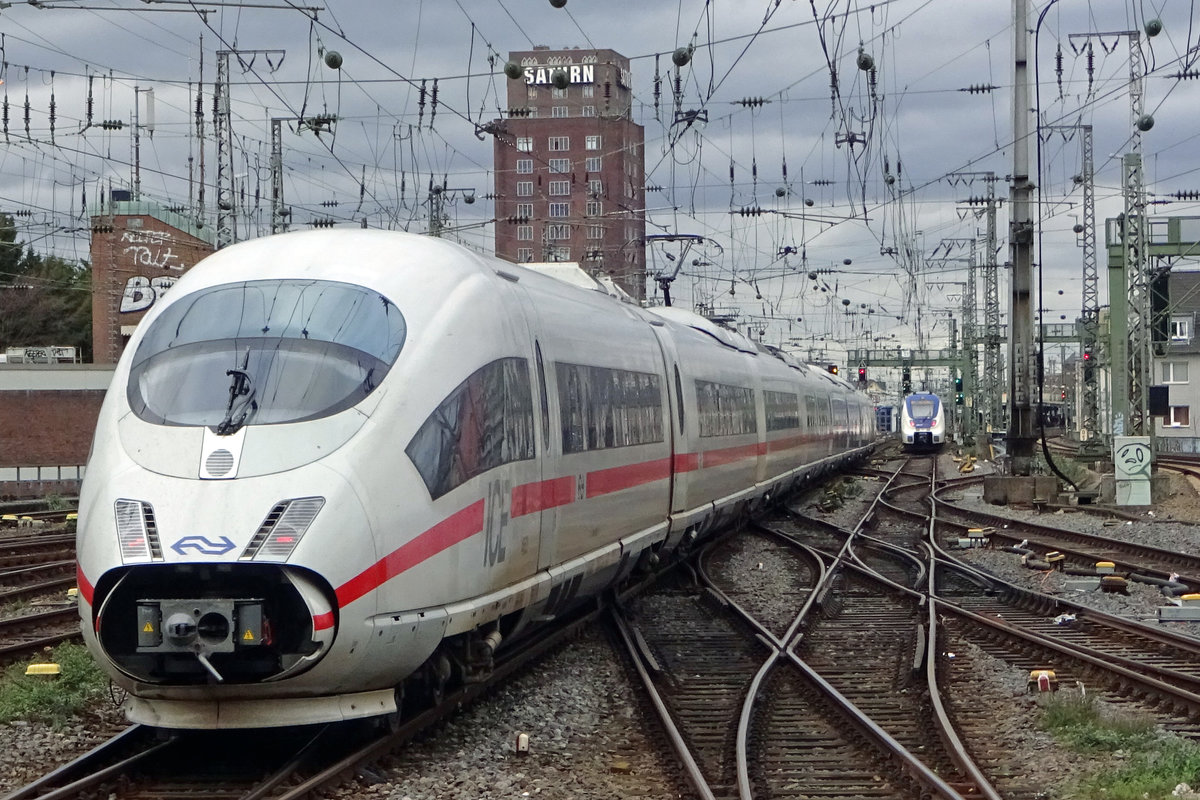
{"points": [[340, 467]]}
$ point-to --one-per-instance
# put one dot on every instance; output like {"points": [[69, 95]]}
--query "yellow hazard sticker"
{"points": [[148, 629], [248, 636]]}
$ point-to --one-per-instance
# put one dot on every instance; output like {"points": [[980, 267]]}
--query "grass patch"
{"points": [[55, 502], [1150, 764], [52, 699], [1079, 721], [1149, 773]]}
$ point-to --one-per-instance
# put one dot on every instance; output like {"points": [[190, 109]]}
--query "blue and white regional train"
{"points": [[336, 468], [923, 422]]}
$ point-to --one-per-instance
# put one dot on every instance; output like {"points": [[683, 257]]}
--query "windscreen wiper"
{"points": [[241, 399]]}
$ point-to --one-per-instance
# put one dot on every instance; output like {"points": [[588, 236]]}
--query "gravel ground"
{"points": [[587, 737]]}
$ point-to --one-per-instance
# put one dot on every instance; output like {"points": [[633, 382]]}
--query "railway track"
{"points": [[34, 549], [274, 763], [808, 722], [1151, 670], [28, 634], [30, 582], [1079, 548]]}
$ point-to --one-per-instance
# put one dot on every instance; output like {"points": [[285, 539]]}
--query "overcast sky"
{"points": [[869, 167]]}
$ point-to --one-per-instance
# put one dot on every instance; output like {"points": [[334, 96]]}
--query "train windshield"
{"points": [[922, 407], [264, 352]]}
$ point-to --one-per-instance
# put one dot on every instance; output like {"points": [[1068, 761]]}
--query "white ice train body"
{"points": [[922, 422], [335, 463]]}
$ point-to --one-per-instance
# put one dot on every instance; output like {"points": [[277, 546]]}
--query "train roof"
{"points": [[690, 319]]}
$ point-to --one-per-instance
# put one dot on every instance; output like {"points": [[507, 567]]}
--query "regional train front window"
{"points": [[922, 409], [264, 352]]}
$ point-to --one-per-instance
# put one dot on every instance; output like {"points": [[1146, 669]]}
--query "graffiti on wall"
{"points": [[154, 249], [141, 292], [151, 249]]}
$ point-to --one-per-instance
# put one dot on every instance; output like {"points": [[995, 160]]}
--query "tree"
{"points": [[44, 300]]}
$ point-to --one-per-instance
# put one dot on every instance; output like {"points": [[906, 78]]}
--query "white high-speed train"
{"points": [[339, 468]]}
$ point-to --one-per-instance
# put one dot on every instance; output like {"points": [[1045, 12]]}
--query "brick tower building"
{"points": [[569, 166], [138, 252]]}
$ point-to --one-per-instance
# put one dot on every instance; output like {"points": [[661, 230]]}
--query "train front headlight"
{"points": [[282, 529], [137, 532]]}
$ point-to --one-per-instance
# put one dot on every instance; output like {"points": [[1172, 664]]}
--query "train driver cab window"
{"points": [[486, 421], [262, 353], [923, 408]]}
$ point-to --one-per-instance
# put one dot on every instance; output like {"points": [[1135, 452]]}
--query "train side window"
{"points": [[810, 408], [603, 408], [725, 410], [679, 398], [541, 371], [486, 421], [783, 410]]}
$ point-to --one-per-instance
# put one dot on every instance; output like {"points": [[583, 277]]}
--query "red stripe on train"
{"points": [[447, 533], [534, 497], [607, 481]]}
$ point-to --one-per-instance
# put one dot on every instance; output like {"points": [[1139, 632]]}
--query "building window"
{"points": [[560, 209], [524, 255], [531, 92], [560, 165], [1175, 372], [524, 188], [1181, 329], [592, 143], [524, 233], [525, 144], [589, 91], [560, 188], [525, 210], [559, 144], [524, 166], [558, 111], [558, 254], [593, 164], [1177, 418], [594, 208], [596, 187], [595, 232], [557, 233], [587, 111], [558, 94]]}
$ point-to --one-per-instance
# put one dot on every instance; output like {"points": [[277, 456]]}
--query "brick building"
{"points": [[48, 414], [569, 166], [138, 252]]}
